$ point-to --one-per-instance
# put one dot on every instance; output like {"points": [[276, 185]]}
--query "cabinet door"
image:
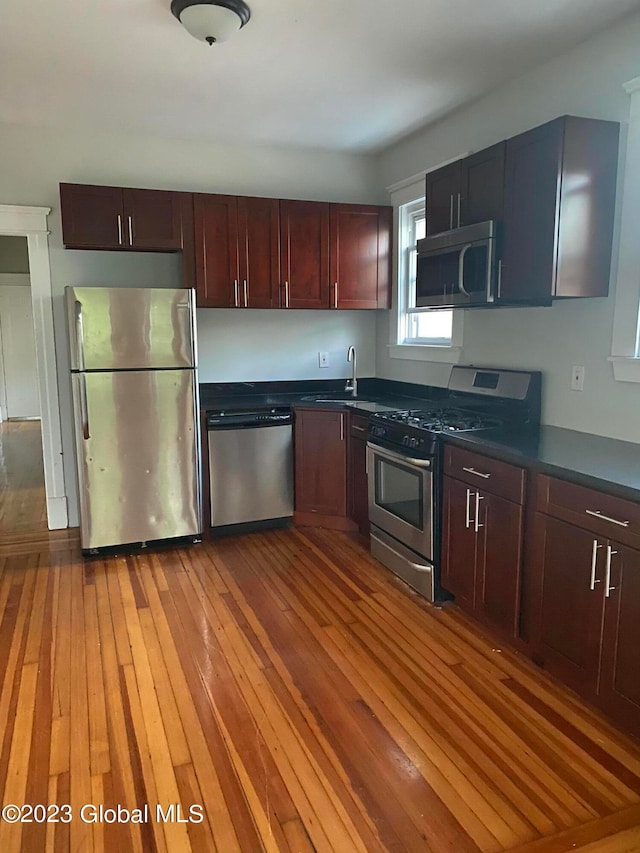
{"points": [[459, 542], [532, 194], [152, 219], [482, 185], [321, 462], [571, 611], [499, 562], [443, 198], [217, 273], [620, 675], [359, 255], [92, 217], [304, 254], [358, 487], [259, 252]]}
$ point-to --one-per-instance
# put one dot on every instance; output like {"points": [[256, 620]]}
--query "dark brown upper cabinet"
{"points": [[304, 254], [117, 218], [236, 245], [560, 185], [465, 192], [360, 255], [334, 255]]}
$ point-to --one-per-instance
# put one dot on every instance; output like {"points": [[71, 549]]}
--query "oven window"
{"points": [[399, 491]]}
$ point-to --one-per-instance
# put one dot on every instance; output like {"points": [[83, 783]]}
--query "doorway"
{"points": [[30, 223], [22, 490]]}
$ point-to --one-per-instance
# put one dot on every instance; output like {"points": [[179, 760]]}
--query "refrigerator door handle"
{"points": [[79, 335], [190, 305], [84, 409]]}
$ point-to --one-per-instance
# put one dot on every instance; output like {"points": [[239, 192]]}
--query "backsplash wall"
{"points": [[246, 345]]}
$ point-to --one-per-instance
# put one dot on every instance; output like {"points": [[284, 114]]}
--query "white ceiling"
{"points": [[343, 74]]}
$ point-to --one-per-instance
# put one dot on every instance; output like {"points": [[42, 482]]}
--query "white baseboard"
{"points": [[57, 515]]}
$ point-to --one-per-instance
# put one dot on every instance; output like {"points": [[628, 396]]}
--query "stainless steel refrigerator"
{"points": [[136, 414]]}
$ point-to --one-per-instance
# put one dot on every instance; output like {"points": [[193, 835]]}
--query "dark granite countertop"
{"points": [[590, 460], [374, 395]]}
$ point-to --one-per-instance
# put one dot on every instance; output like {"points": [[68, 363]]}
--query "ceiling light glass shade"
{"points": [[210, 21]]}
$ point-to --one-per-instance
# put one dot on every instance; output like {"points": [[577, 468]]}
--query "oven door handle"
{"points": [[421, 567], [398, 457]]}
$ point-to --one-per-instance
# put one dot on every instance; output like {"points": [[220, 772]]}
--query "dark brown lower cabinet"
{"points": [[619, 689], [320, 439], [482, 553], [358, 491], [570, 615], [586, 559]]}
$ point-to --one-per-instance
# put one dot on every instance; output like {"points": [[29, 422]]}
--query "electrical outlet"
{"points": [[323, 359], [577, 378]]}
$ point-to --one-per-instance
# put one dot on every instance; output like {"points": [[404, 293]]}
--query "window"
{"points": [[417, 326], [418, 334], [625, 350]]}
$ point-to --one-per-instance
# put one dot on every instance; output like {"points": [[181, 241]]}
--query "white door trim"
{"points": [[31, 222]]}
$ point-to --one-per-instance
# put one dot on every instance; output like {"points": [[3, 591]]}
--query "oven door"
{"points": [[401, 497]]}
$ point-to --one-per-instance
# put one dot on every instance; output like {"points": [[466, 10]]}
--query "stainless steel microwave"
{"points": [[458, 268]]}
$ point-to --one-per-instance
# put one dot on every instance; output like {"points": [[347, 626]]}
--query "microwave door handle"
{"points": [[461, 287]]}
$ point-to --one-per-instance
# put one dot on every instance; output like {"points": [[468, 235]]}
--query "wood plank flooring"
{"points": [[22, 496], [301, 695]]}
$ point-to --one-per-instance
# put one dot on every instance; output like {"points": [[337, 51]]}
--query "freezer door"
{"points": [[138, 455], [130, 328]]}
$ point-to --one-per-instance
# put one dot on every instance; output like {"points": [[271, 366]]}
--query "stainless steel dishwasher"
{"points": [[250, 466]]}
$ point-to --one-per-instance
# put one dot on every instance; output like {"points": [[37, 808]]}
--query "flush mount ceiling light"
{"points": [[211, 21]]}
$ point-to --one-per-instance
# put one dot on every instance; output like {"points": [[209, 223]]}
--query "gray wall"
{"points": [[14, 255], [587, 81], [233, 345]]}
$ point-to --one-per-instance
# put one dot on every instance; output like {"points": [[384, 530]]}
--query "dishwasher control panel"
{"points": [[234, 419]]}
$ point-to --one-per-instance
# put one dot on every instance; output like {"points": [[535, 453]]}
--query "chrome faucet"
{"points": [[352, 384]]}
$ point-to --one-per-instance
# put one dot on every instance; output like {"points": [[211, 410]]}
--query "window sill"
{"points": [[626, 368], [423, 352]]}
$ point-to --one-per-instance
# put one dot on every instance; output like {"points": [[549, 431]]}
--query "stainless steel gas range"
{"points": [[404, 451]]}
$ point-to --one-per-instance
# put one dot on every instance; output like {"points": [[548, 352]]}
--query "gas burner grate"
{"points": [[442, 420]]}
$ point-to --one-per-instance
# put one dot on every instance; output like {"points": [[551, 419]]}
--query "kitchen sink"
{"points": [[337, 397]]}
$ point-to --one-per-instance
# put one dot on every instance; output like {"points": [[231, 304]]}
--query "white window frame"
{"points": [[407, 198], [625, 347]]}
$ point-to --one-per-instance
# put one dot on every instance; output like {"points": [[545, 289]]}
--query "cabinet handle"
{"points": [[341, 427], [286, 294], [478, 499], [467, 520], [458, 210], [235, 294], [477, 473], [451, 212], [335, 296], [499, 279], [119, 230], [602, 517], [594, 561], [246, 293], [130, 218], [358, 429], [608, 588]]}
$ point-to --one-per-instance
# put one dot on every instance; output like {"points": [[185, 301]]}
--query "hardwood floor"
{"points": [[301, 695], [22, 496]]}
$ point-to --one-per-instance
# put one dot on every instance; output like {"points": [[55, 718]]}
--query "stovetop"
{"points": [[478, 399], [440, 419]]}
